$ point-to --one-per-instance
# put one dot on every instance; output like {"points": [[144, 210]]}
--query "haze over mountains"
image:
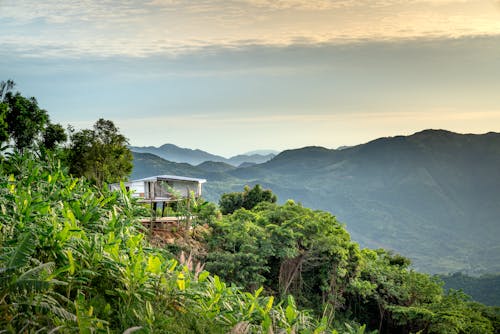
{"points": [[175, 153], [433, 196]]}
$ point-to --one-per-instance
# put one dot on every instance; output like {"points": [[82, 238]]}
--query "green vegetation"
{"points": [[484, 289], [73, 255], [75, 259], [294, 250], [24, 123], [100, 154], [408, 194], [247, 199]]}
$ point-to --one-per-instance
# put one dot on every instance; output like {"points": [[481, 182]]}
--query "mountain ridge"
{"points": [[406, 193], [174, 153]]}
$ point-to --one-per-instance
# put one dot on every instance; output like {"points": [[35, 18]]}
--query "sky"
{"points": [[238, 75]]}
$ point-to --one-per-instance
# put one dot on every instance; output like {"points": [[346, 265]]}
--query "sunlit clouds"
{"points": [[141, 28]]}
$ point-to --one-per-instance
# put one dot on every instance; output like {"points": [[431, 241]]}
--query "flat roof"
{"points": [[170, 178]]}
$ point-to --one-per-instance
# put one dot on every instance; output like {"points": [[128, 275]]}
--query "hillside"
{"points": [[76, 259], [175, 153], [407, 193], [484, 289]]}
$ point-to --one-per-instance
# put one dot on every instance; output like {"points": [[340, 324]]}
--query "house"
{"points": [[163, 188]]}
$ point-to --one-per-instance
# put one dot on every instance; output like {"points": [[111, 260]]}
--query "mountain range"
{"points": [[175, 153], [433, 196]]}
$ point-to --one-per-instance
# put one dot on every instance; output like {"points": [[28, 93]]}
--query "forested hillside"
{"points": [[402, 193], [76, 260], [484, 289], [75, 257]]}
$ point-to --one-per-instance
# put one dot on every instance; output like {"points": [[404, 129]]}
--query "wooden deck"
{"points": [[163, 223]]}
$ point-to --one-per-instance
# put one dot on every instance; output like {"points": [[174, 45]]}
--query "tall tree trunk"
{"points": [[289, 270]]}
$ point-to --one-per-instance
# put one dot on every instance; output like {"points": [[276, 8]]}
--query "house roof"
{"points": [[170, 178]]}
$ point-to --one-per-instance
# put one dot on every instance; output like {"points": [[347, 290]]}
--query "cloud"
{"points": [[175, 27], [305, 93]]}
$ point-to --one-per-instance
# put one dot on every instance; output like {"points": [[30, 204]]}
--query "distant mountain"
{"points": [[254, 158], [215, 167], [175, 153], [262, 152], [433, 196], [246, 164], [148, 164]]}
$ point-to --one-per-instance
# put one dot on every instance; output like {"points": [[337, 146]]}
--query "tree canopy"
{"points": [[24, 123], [26, 120], [248, 199], [290, 249], [100, 154], [4, 129]]}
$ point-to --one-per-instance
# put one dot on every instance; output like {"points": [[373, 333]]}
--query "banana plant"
{"points": [[26, 286]]}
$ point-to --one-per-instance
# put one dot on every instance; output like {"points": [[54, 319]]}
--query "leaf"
{"points": [[149, 309], [181, 282], [323, 325], [266, 323], [154, 265], [290, 311], [73, 184], [217, 283], [71, 261], [21, 255], [290, 314], [203, 276], [269, 304], [258, 291]]}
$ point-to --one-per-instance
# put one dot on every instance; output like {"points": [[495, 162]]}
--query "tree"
{"points": [[52, 135], [247, 199], [25, 120], [25, 123], [5, 87], [4, 129], [100, 154], [288, 248], [230, 202]]}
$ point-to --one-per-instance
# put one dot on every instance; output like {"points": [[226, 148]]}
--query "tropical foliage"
{"points": [[74, 260], [294, 250], [74, 257]]}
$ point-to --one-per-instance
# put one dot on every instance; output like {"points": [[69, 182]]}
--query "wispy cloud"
{"points": [[137, 28]]}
